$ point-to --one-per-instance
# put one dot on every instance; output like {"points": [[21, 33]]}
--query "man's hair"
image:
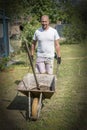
{"points": [[45, 16]]}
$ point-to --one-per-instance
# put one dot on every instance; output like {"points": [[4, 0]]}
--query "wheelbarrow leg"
{"points": [[29, 104], [39, 105]]}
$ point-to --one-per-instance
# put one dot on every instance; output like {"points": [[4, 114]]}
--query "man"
{"points": [[48, 41]]}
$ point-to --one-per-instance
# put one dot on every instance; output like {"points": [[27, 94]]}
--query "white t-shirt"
{"points": [[45, 40]]}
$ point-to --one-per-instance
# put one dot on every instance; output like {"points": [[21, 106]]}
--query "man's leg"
{"points": [[49, 66], [40, 67]]}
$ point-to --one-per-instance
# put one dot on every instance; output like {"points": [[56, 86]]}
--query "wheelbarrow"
{"points": [[28, 87]]}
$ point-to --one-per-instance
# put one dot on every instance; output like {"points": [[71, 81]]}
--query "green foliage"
{"points": [[75, 33], [65, 11], [25, 9], [28, 32], [3, 63], [42, 7]]}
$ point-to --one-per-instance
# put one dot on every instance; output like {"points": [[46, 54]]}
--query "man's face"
{"points": [[45, 22]]}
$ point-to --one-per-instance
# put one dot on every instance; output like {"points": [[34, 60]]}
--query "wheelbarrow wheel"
{"points": [[35, 108]]}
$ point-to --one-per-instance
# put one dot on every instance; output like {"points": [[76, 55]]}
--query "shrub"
{"points": [[3, 63], [28, 32], [75, 33]]}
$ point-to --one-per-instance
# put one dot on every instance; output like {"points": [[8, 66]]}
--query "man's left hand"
{"points": [[58, 60]]}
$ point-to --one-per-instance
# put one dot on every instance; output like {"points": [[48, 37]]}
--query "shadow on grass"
{"points": [[19, 63], [14, 62], [20, 103]]}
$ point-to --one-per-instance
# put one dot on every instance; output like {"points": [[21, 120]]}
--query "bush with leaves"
{"points": [[28, 32], [75, 33], [3, 63]]}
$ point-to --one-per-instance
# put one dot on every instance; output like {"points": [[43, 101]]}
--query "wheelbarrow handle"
{"points": [[29, 56]]}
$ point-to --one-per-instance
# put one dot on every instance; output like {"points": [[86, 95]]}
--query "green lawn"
{"points": [[66, 110]]}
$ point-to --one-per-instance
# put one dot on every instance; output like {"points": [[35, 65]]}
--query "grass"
{"points": [[66, 110]]}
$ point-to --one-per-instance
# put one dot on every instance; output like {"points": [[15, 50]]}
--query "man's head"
{"points": [[45, 22]]}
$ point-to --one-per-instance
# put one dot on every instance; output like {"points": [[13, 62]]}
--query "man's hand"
{"points": [[58, 60], [32, 57]]}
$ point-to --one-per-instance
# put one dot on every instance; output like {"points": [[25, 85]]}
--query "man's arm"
{"points": [[57, 48], [33, 47]]}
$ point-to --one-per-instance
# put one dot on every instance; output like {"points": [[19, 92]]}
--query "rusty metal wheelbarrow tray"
{"points": [[47, 83]]}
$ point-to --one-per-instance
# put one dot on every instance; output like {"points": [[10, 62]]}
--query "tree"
{"points": [[28, 31], [63, 10], [34, 8], [76, 32]]}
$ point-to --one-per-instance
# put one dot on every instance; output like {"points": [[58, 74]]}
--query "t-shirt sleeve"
{"points": [[56, 35], [35, 37]]}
